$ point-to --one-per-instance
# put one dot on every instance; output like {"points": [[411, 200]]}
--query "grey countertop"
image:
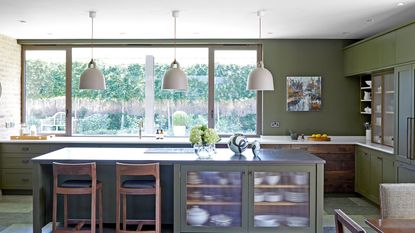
{"points": [[171, 156]]}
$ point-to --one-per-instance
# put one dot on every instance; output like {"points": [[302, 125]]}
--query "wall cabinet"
{"points": [[223, 198], [370, 55], [405, 47], [373, 168]]}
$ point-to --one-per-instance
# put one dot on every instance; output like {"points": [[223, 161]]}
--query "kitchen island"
{"points": [[284, 182]]}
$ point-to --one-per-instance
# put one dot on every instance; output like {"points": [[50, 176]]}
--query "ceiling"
{"points": [[208, 19]]}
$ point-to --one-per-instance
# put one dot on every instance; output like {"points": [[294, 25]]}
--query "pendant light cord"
{"points": [[260, 35], [92, 38], [175, 38]]}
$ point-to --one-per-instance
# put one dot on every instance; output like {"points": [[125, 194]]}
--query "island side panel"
{"points": [[319, 197]]}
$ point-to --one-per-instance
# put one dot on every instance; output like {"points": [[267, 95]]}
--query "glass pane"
{"points": [[235, 107], [389, 109], [377, 106], [45, 88], [214, 199], [133, 99], [281, 198]]}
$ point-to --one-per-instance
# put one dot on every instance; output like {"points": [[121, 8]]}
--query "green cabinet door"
{"points": [[388, 170], [375, 176], [362, 171], [405, 173], [405, 46]]}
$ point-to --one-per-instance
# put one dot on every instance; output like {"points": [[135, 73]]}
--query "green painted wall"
{"points": [[340, 96]]}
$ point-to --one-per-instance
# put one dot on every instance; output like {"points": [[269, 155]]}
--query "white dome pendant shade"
{"points": [[175, 78], [92, 77], [260, 79]]}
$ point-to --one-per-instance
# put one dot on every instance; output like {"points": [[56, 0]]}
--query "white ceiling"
{"points": [[138, 19]]}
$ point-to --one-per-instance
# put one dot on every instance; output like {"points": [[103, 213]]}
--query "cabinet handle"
{"points": [[25, 179], [250, 173], [380, 158], [25, 161], [407, 137], [25, 148], [243, 172]]}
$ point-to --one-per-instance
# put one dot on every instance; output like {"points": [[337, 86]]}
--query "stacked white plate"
{"points": [[297, 221], [268, 220], [221, 220], [273, 197], [296, 196]]}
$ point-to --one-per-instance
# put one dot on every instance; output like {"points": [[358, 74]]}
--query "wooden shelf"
{"points": [[212, 186], [212, 203], [390, 92], [366, 113], [265, 186], [366, 88], [366, 100], [281, 203]]}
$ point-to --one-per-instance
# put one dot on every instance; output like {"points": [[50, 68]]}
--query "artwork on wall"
{"points": [[303, 93]]}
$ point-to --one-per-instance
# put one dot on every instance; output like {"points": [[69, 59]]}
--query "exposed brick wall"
{"points": [[10, 100]]}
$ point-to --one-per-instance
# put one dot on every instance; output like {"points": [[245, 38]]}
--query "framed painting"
{"points": [[303, 93]]}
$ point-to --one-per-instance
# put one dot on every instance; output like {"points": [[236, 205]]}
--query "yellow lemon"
{"points": [[324, 136], [318, 135]]}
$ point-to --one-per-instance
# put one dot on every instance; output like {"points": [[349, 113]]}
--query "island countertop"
{"points": [[174, 155]]}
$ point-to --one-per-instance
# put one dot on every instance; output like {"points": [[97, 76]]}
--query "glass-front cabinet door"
{"points": [[378, 109], [282, 199], [213, 198]]}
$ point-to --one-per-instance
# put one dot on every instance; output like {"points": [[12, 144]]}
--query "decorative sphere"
{"points": [[238, 143]]}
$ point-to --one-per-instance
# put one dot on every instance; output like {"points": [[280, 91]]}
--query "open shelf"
{"points": [[366, 113], [212, 203], [366, 100], [266, 186], [281, 203], [366, 88], [212, 186]]}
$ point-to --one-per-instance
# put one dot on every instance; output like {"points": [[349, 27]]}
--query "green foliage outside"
{"points": [[125, 95]]}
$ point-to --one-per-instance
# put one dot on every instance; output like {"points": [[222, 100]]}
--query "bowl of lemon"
{"points": [[319, 137]]}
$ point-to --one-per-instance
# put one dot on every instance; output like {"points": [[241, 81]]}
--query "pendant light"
{"points": [[92, 77], [175, 78], [260, 78]]}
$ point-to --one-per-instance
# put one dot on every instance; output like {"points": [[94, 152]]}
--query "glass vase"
{"points": [[204, 151]]}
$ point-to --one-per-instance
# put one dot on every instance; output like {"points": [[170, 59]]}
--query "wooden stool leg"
{"points": [[118, 211], [93, 210], [101, 223], [54, 211], [65, 211], [158, 210], [124, 212]]}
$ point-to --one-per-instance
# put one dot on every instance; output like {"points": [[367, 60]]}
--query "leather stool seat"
{"points": [[139, 184], [77, 184]]}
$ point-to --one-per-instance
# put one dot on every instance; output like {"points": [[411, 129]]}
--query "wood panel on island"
{"points": [[339, 170]]}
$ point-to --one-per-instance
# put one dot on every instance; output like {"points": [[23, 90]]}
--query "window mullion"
{"points": [[211, 88], [68, 103]]}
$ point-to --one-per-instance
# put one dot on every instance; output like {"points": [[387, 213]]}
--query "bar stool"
{"points": [[137, 187], [76, 187]]}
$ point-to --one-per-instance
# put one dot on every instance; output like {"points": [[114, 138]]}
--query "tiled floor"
{"points": [[16, 212]]}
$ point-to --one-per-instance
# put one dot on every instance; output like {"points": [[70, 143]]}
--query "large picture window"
{"points": [[133, 99]]}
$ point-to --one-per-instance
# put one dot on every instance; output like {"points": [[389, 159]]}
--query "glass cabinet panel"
{"points": [[389, 109], [213, 198], [281, 199], [384, 108], [377, 106]]}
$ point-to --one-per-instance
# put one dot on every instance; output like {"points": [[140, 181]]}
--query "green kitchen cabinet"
{"points": [[373, 168], [405, 173], [405, 46], [373, 54], [362, 170], [245, 194], [16, 165]]}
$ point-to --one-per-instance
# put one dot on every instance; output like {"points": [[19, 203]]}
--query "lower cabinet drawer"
{"points": [[16, 179], [16, 161]]}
